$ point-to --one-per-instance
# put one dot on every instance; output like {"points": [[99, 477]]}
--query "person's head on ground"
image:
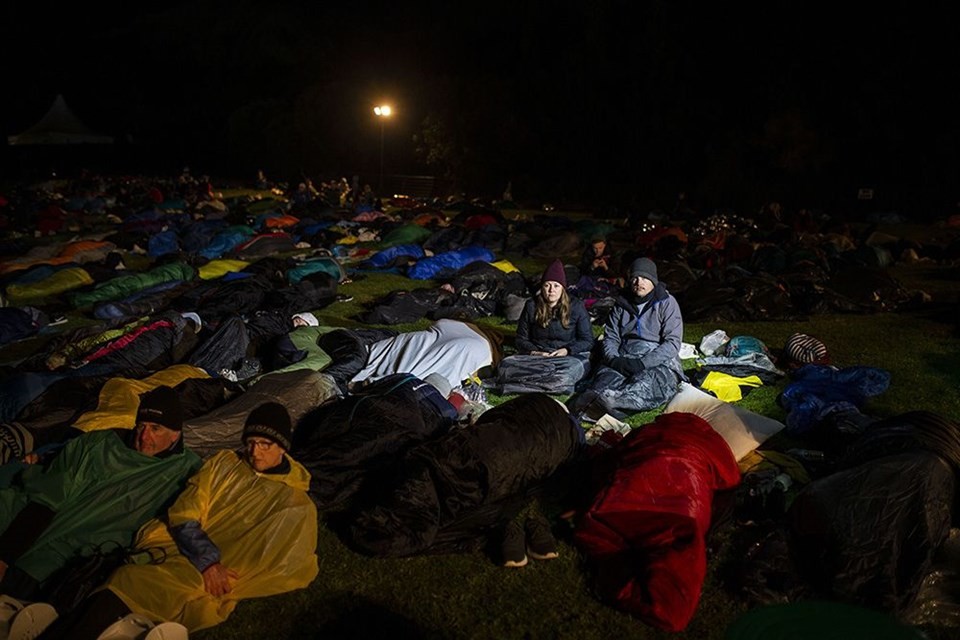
{"points": [[552, 300], [305, 319], [642, 277], [159, 421], [267, 434]]}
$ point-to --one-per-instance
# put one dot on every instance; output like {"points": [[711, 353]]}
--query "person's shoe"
{"points": [[593, 412], [541, 544], [249, 368], [32, 620], [9, 608], [132, 626], [578, 402], [168, 631], [514, 545]]}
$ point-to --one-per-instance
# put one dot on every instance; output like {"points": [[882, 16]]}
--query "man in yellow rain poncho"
{"points": [[243, 528]]}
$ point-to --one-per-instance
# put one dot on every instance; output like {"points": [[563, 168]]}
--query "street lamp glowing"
{"points": [[382, 112]]}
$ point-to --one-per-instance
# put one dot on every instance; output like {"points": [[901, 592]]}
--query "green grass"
{"points": [[469, 596]]}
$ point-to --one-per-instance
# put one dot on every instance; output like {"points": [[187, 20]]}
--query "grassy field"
{"points": [[470, 596]]}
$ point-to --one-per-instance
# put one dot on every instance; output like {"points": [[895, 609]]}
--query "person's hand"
{"points": [[216, 579], [634, 365], [559, 353], [539, 353], [627, 366]]}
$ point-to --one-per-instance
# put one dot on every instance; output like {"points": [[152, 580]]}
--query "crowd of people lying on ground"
{"points": [[166, 450]]}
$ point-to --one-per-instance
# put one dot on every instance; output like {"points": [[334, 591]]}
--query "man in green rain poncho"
{"points": [[97, 491], [243, 528]]}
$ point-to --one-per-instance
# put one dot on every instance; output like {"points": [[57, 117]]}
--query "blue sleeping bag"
{"points": [[818, 390], [226, 240], [387, 257], [451, 261]]}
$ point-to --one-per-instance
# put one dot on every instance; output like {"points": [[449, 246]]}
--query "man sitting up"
{"points": [[96, 492], [243, 528], [641, 345]]}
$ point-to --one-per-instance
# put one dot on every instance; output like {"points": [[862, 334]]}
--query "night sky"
{"points": [[626, 102]]}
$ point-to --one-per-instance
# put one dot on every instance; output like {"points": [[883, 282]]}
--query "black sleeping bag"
{"points": [[313, 292], [16, 324], [868, 534], [348, 353], [359, 439], [398, 307], [224, 349], [452, 491], [217, 300]]}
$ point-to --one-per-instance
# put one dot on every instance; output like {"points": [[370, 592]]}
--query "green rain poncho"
{"points": [[265, 526], [101, 491]]}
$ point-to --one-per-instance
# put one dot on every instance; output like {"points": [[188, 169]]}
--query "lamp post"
{"points": [[382, 112]]}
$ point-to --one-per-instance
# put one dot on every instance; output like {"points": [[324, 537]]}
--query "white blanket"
{"points": [[449, 348]]}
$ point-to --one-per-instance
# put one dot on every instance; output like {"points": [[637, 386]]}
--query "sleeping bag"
{"points": [[299, 391], [359, 439], [645, 531], [451, 492]]}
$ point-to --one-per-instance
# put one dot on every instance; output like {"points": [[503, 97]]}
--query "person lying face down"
{"points": [[244, 527], [99, 488]]}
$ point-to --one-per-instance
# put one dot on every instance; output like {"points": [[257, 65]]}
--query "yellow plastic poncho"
{"points": [[120, 397], [265, 527]]}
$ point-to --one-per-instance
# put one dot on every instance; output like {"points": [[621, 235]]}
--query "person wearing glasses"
{"points": [[244, 527], [640, 365]]}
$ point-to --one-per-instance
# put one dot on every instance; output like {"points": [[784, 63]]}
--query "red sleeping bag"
{"points": [[645, 532]]}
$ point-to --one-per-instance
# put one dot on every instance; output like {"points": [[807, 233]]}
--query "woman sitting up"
{"points": [[554, 339]]}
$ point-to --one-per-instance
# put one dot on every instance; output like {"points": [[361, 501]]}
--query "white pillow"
{"points": [[742, 430]]}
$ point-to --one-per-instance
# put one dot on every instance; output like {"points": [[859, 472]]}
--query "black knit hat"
{"points": [[161, 405], [272, 421], [645, 268]]}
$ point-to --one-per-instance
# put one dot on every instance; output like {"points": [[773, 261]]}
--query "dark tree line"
{"points": [[604, 101]]}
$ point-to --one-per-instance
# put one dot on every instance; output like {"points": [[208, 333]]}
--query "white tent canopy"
{"points": [[59, 126]]}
